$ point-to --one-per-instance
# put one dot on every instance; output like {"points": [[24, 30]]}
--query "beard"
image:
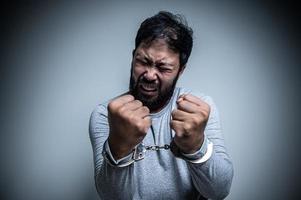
{"points": [[157, 101]]}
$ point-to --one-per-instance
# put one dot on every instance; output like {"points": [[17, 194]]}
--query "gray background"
{"points": [[58, 60]]}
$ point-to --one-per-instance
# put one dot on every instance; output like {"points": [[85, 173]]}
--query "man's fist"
{"points": [[189, 122], [129, 121]]}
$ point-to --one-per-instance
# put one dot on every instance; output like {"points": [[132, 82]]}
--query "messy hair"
{"points": [[172, 28]]}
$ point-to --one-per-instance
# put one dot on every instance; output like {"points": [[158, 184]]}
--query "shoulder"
{"points": [[98, 119], [99, 111], [101, 107]]}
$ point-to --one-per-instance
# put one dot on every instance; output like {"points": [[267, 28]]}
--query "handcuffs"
{"points": [[140, 150]]}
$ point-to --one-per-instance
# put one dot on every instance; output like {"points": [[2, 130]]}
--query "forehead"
{"points": [[157, 50]]}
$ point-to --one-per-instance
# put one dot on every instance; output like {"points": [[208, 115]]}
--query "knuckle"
{"points": [[182, 103], [173, 113], [187, 127], [195, 121], [179, 134], [148, 120], [207, 107], [138, 124], [121, 110], [127, 97], [130, 97], [142, 128], [138, 103], [198, 119], [145, 109], [111, 106], [131, 117], [173, 126], [205, 113]]}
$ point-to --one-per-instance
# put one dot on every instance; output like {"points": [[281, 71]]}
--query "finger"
{"points": [[203, 107], [193, 99], [121, 100], [133, 105], [148, 120], [125, 98], [180, 98], [177, 126], [187, 106], [143, 125], [141, 112], [180, 115]]}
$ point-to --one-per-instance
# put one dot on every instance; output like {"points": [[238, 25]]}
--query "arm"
{"points": [[115, 130], [213, 178], [197, 127], [109, 180]]}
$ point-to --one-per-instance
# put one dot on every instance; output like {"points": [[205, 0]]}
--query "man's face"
{"points": [[155, 71]]}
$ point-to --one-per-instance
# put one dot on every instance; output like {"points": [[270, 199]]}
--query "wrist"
{"points": [[191, 149], [200, 156], [118, 150], [137, 154], [108, 156]]}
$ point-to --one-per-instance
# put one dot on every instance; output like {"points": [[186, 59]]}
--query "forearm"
{"points": [[210, 168], [113, 182], [213, 178], [109, 180], [111, 176]]}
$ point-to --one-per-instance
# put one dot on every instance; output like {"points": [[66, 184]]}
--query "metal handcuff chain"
{"points": [[141, 149]]}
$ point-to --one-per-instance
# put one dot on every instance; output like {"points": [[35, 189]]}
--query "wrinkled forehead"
{"points": [[158, 43], [157, 49]]}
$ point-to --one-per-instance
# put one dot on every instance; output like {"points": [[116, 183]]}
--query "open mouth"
{"points": [[148, 89]]}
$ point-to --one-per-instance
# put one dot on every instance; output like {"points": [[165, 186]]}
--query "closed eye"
{"points": [[164, 69], [142, 62]]}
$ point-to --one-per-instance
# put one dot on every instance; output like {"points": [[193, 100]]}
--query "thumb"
{"points": [[177, 126]]}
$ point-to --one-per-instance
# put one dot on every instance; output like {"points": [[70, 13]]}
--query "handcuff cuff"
{"points": [[140, 150]]}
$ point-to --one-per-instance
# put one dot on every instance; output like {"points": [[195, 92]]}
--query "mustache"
{"points": [[151, 84]]}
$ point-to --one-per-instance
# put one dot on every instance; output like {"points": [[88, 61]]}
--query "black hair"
{"points": [[172, 28]]}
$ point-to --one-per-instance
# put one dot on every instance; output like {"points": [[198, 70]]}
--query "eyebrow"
{"points": [[149, 60]]}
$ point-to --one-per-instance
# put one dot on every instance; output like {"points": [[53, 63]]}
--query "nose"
{"points": [[150, 74]]}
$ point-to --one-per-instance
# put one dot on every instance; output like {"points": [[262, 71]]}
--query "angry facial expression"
{"points": [[154, 73]]}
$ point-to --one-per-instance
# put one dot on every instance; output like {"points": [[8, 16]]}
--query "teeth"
{"points": [[148, 88]]}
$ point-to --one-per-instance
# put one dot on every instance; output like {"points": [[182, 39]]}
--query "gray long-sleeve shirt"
{"points": [[161, 175]]}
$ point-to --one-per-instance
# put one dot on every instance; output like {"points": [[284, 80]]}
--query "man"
{"points": [[158, 141]]}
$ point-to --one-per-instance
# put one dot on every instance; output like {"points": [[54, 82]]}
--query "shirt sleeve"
{"points": [[199, 153], [213, 178], [122, 162], [109, 179]]}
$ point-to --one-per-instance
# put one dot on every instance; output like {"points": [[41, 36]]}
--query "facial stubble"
{"points": [[163, 96]]}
